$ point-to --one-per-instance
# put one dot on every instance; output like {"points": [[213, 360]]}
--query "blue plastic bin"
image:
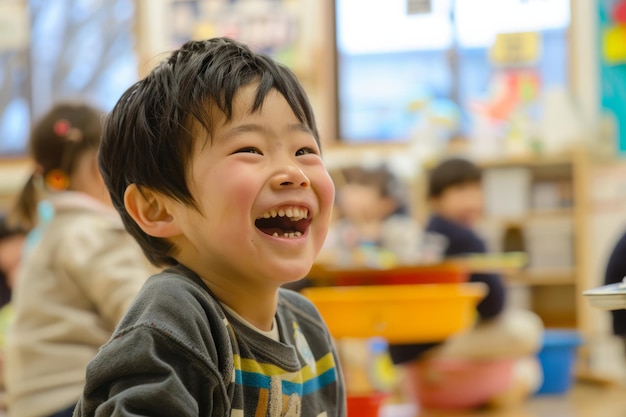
{"points": [[557, 358]]}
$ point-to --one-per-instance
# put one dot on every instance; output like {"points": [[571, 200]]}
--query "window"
{"points": [[395, 68], [79, 49]]}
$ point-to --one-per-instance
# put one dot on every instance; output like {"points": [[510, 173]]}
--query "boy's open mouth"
{"points": [[286, 221]]}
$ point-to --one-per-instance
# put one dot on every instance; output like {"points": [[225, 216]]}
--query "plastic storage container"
{"points": [[457, 384], [366, 405], [399, 313], [426, 274], [557, 357], [445, 273]]}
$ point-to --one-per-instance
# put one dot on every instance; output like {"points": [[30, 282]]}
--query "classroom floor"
{"points": [[583, 400]]}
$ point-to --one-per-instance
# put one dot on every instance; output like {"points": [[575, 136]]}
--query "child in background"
{"points": [[79, 271], [11, 243], [366, 198], [214, 162], [372, 227], [456, 201]]}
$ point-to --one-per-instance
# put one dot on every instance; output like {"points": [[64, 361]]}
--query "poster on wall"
{"points": [[612, 71], [269, 26], [450, 59], [294, 32]]}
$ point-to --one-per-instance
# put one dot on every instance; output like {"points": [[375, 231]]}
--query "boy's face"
{"points": [[461, 203], [264, 198]]}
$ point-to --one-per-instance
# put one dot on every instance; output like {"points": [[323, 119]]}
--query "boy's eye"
{"points": [[305, 151], [249, 149]]}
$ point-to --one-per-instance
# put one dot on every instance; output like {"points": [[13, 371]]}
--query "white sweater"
{"points": [[74, 286]]}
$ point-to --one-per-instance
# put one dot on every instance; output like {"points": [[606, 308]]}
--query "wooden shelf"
{"points": [[534, 214], [530, 160], [561, 276], [555, 212]]}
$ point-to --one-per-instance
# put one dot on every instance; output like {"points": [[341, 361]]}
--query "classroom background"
{"points": [[533, 91]]}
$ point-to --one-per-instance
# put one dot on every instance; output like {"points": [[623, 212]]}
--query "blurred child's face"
{"points": [[264, 198], [461, 203], [363, 203]]}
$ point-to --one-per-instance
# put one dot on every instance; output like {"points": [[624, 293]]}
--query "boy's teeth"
{"points": [[289, 235], [293, 213]]}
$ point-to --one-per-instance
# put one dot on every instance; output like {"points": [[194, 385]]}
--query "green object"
{"points": [[6, 315]]}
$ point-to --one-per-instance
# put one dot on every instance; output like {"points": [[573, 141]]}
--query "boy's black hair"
{"points": [[148, 136], [450, 173]]}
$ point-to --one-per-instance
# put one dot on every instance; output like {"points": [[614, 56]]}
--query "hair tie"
{"points": [[63, 128], [57, 180]]}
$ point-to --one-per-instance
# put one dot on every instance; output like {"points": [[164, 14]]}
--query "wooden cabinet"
{"points": [[539, 205]]}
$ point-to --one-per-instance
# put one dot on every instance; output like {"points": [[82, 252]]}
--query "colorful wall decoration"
{"points": [[612, 65]]}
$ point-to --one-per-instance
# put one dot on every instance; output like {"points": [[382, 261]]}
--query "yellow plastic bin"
{"points": [[399, 313]]}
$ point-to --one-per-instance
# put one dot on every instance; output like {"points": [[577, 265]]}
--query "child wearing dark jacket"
{"points": [[456, 201]]}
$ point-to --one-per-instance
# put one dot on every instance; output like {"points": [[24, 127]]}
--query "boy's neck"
{"points": [[257, 307], [272, 334]]}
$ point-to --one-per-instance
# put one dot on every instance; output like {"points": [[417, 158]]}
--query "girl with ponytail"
{"points": [[79, 271]]}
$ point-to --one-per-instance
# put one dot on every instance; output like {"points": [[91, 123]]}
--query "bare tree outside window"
{"points": [[78, 49]]}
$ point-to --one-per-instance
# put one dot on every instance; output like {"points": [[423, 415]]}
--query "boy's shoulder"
{"points": [[175, 284], [176, 304], [173, 297]]}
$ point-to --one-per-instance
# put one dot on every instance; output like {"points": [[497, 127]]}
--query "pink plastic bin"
{"points": [[450, 384]]}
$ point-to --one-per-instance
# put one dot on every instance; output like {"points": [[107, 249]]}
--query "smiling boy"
{"points": [[214, 163]]}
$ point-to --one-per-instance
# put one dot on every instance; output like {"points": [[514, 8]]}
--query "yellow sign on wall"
{"points": [[614, 44], [516, 48]]}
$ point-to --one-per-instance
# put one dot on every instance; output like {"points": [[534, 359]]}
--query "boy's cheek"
{"points": [[327, 196]]}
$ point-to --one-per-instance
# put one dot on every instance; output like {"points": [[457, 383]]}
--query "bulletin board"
{"points": [[274, 27], [612, 67], [294, 32]]}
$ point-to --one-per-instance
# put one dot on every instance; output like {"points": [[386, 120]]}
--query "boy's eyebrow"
{"points": [[254, 127]]}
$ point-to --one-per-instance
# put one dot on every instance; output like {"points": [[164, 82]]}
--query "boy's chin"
{"points": [[297, 277]]}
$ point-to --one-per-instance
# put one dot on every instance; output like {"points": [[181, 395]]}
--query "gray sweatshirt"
{"points": [[178, 353]]}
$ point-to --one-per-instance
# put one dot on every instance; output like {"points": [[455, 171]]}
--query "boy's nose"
{"points": [[291, 176]]}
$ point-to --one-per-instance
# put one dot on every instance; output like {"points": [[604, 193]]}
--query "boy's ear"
{"points": [[150, 210]]}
